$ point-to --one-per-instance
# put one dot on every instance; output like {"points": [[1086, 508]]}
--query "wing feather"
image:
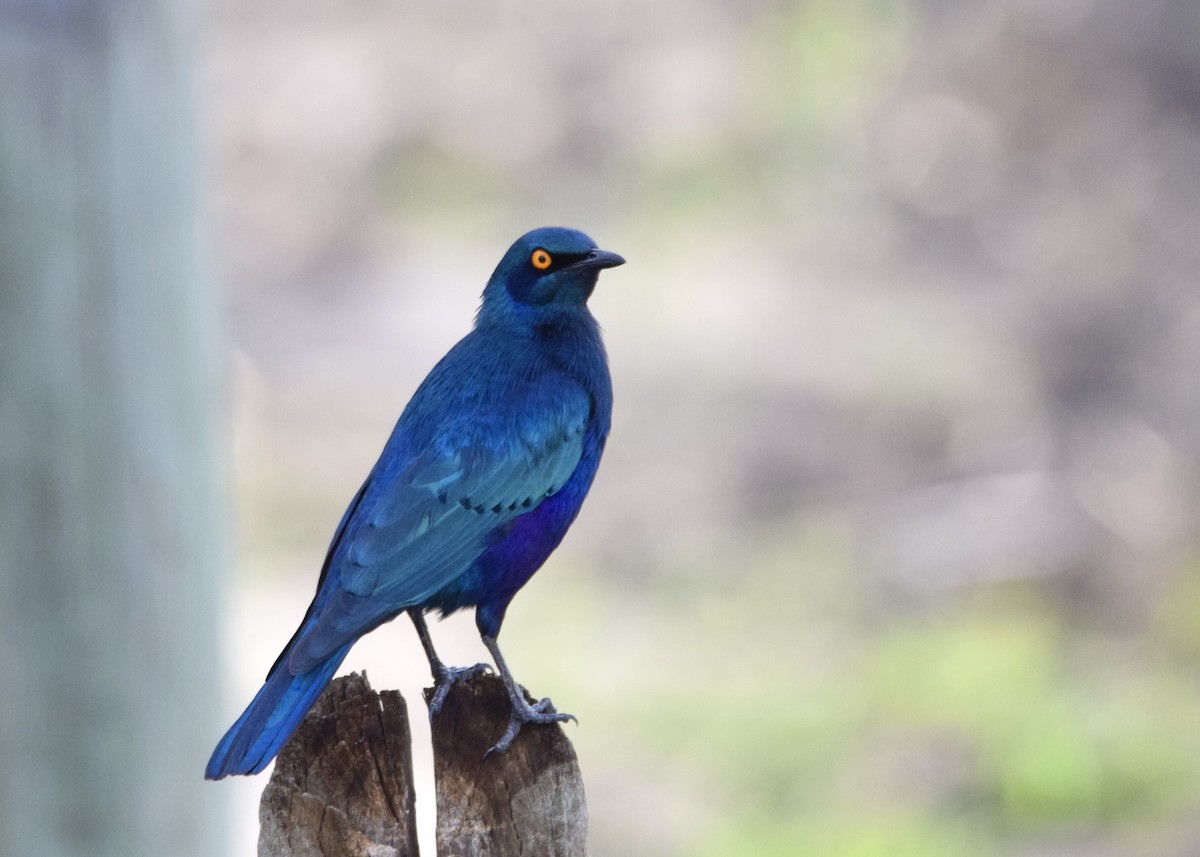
{"points": [[426, 523]]}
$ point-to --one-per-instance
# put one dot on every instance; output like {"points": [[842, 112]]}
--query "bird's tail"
{"points": [[252, 742]]}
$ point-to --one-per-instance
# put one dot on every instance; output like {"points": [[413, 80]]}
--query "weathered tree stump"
{"points": [[342, 786], [525, 801], [343, 783]]}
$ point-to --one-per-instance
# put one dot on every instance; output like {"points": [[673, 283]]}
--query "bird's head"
{"points": [[545, 272]]}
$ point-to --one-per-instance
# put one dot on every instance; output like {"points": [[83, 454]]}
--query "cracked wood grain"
{"points": [[526, 801], [343, 785]]}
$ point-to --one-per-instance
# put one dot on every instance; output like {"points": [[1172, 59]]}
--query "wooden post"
{"points": [[525, 801], [342, 786]]}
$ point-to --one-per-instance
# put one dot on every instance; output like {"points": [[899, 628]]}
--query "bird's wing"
{"points": [[423, 526]]}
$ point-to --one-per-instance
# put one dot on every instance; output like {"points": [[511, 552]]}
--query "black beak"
{"points": [[601, 259]]}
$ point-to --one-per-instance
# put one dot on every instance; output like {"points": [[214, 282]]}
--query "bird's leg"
{"points": [[443, 676], [520, 711]]}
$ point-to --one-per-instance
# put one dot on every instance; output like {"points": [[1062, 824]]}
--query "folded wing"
{"points": [[423, 523]]}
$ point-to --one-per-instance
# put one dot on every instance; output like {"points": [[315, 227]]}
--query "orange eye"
{"points": [[540, 259]]}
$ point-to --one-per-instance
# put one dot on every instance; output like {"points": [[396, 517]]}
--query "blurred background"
{"points": [[895, 546]]}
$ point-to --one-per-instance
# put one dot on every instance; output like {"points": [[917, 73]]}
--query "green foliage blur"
{"points": [[794, 713]]}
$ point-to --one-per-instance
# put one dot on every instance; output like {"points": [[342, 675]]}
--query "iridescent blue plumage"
{"points": [[484, 472]]}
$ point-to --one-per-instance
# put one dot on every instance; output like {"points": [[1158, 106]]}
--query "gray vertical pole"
{"points": [[110, 400]]}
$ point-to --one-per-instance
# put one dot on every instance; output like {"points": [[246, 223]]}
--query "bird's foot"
{"points": [[522, 712], [444, 679]]}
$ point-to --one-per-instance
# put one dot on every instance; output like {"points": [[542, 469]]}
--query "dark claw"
{"points": [[445, 679], [520, 713]]}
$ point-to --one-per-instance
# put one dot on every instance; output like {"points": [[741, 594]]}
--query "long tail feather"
{"points": [[252, 742]]}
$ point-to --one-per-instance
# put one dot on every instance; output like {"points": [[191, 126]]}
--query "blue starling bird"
{"points": [[485, 470]]}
